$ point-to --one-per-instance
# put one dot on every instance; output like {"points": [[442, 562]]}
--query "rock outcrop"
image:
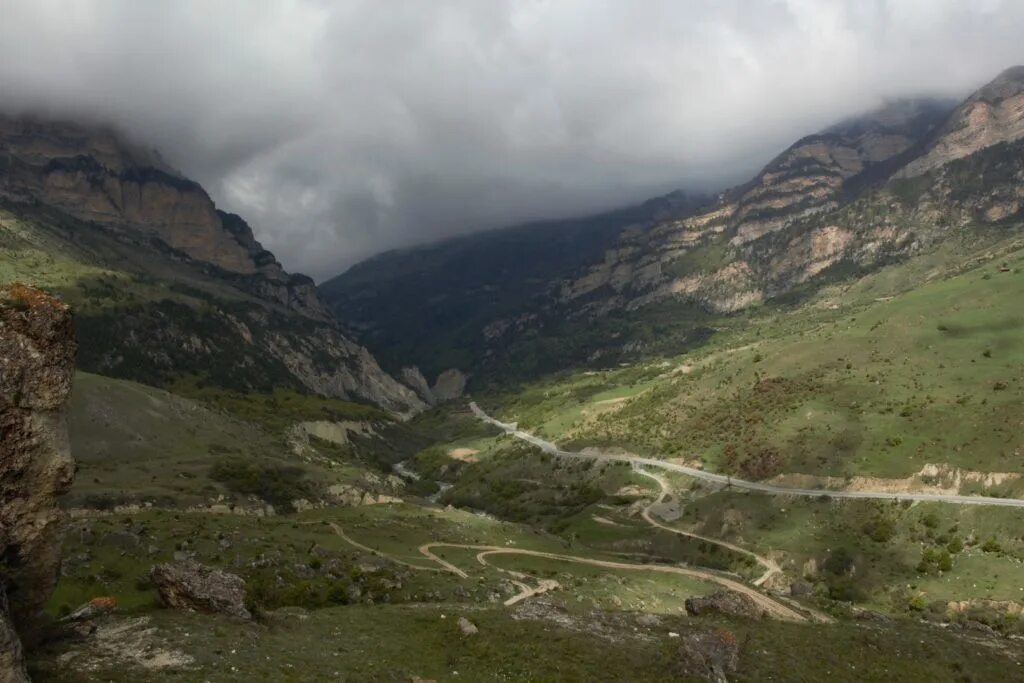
{"points": [[725, 602], [195, 587], [37, 351], [450, 385], [224, 301], [413, 378], [859, 194], [94, 174], [710, 655], [708, 258], [992, 115]]}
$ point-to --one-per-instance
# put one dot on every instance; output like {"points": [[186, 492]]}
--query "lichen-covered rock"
{"points": [[37, 351], [725, 602], [191, 586], [710, 655]]}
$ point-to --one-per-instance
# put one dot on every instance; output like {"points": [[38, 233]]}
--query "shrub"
{"points": [[880, 530], [935, 560], [991, 546], [276, 484]]}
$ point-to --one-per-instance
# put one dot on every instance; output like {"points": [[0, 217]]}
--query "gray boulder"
{"points": [[195, 587], [467, 627], [725, 602]]}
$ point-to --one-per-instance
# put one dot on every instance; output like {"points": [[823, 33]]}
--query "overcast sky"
{"points": [[343, 128]]}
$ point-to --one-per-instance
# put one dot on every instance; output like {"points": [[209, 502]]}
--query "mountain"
{"points": [[167, 286], [770, 435], [992, 115], [870, 190], [442, 305]]}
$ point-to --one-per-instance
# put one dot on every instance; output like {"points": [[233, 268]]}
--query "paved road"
{"points": [[551, 448]]}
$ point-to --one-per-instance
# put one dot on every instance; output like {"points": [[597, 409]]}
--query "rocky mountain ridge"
{"points": [[809, 179], [94, 175], [175, 286], [860, 194], [825, 200]]}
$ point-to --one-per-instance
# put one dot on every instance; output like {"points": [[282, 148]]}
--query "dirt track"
{"points": [[770, 566], [771, 606]]}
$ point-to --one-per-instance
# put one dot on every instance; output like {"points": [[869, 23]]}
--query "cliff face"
{"points": [[703, 257], [870, 189], [37, 351], [94, 175], [185, 289], [994, 114]]}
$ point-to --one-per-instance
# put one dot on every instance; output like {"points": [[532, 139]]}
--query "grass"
{"points": [[871, 387], [137, 444], [280, 409], [396, 642]]}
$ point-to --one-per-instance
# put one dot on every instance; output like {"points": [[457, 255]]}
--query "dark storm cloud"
{"points": [[343, 128]]}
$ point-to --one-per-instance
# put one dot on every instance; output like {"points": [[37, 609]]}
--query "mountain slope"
{"points": [[165, 284], [445, 305], [873, 189]]}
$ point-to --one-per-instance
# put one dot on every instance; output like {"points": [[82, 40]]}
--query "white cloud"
{"points": [[343, 128]]}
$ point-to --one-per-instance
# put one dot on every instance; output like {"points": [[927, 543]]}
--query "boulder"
{"points": [[710, 655], [96, 607], [725, 602], [37, 351], [467, 627], [191, 586]]}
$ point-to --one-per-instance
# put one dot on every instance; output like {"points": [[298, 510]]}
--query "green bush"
{"points": [[880, 530], [276, 484]]}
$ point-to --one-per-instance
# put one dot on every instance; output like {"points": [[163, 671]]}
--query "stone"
{"points": [[649, 620], [96, 607], [710, 655], [191, 586], [467, 627], [799, 588], [725, 602], [37, 351]]}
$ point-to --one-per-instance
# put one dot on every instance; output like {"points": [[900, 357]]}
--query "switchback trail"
{"points": [[761, 487], [771, 606], [770, 566]]}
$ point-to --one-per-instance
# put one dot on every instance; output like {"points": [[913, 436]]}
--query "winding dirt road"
{"points": [[769, 605], [770, 566]]}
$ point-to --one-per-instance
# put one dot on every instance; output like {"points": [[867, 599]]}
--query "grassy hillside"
{"points": [[865, 379], [863, 384], [140, 445]]}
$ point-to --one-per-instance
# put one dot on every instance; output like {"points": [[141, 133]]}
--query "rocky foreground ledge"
{"points": [[37, 351]]}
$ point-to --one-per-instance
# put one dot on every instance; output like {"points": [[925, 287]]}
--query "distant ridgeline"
{"points": [[511, 304]]}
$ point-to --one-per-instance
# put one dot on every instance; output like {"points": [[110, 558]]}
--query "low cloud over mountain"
{"points": [[340, 131]]}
